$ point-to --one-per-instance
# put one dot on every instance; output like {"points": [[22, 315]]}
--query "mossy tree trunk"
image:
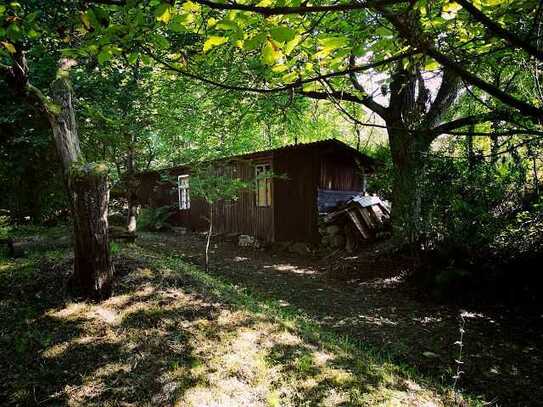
{"points": [[88, 189], [408, 157]]}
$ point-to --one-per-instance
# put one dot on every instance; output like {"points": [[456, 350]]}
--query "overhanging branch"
{"points": [[499, 31], [293, 85]]}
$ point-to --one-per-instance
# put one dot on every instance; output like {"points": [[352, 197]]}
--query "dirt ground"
{"points": [[503, 349], [173, 335]]}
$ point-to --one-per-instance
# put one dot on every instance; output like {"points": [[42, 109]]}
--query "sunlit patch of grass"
{"points": [[314, 363], [174, 335]]}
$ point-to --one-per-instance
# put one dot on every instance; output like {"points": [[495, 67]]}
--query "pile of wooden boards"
{"points": [[360, 218]]}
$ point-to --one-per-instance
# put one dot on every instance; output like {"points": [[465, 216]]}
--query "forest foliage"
{"points": [[445, 93]]}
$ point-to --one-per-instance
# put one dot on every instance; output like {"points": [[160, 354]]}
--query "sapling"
{"points": [[214, 183]]}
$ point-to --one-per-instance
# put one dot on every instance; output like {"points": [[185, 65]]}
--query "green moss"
{"points": [[82, 169]]}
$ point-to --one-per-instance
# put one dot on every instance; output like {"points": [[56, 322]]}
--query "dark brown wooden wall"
{"points": [[240, 216], [295, 198], [340, 172], [293, 215], [243, 216]]}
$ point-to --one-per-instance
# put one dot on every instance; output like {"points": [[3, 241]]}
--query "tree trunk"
{"points": [[131, 223], [93, 269], [209, 236], [407, 150], [132, 214], [87, 187]]}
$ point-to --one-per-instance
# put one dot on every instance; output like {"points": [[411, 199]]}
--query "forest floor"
{"points": [[367, 299], [259, 329]]}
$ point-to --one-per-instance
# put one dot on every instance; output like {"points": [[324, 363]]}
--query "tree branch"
{"points": [[293, 85], [273, 11], [448, 90], [446, 128], [418, 40], [499, 31], [366, 100]]}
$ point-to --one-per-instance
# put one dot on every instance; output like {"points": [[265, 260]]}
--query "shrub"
{"points": [[154, 219]]}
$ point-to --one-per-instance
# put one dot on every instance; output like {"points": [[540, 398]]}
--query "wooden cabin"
{"points": [[307, 178]]}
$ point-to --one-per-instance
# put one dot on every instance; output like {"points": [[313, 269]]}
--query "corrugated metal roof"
{"points": [[330, 142]]}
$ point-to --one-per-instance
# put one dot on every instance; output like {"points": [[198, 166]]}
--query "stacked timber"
{"points": [[358, 220]]}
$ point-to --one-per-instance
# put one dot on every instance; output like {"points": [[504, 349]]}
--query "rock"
{"points": [[248, 241], [333, 230], [337, 241]]}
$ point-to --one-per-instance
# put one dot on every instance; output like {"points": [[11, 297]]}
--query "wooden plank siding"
{"points": [[240, 216], [295, 197], [340, 173], [293, 215], [243, 216]]}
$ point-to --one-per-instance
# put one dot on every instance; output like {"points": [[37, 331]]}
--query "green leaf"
{"points": [[227, 25], [14, 32], [280, 68], [161, 41], [104, 56], [431, 65], [133, 57], [359, 51], [333, 42], [269, 53], [191, 6], [214, 41], [293, 43], [9, 47], [450, 9], [290, 77], [86, 20], [254, 42], [282, 34], [163, 13]]}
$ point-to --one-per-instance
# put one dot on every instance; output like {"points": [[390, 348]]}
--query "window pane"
{"points": [[183, 188]]}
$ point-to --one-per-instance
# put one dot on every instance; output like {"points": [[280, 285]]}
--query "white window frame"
{"points": [[183, 192], [268, 192]]}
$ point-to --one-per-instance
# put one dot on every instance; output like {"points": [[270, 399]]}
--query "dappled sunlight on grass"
{"points": [[174, 335], [291, 269]]}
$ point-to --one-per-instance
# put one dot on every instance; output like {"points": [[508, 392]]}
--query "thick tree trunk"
{"points": [[86, 183], [407, 150], [87, 187], [93, 269]]}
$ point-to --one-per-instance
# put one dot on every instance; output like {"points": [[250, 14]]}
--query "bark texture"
{"points": [[88, 190], [93, 269], [408, 157]]}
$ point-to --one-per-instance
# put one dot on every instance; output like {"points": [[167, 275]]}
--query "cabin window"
{"points": [[263, 185], [183, 191]]}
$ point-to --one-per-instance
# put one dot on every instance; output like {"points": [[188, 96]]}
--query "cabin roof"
{"points": [[330, 144]]}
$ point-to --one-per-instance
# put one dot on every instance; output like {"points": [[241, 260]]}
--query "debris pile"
{"points": [[359, 219]]}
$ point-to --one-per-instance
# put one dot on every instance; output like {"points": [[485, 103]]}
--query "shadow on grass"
{"points": [[173, 335]]}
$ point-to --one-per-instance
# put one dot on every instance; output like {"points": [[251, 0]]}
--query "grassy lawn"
{"points": [[174, 335]]}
